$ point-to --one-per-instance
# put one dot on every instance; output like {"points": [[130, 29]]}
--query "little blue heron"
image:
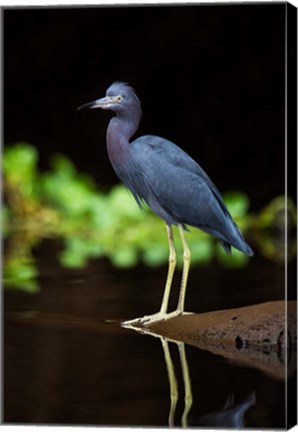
{"points": [[170, 182]]}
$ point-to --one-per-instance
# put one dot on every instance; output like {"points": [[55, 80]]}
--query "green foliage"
{"points": [[19, 167], [276, 222], [5, 218], [63, 188], [274, 213], [237, 203], [66, 204], [21, 273], [78, 250], [202, 249]]}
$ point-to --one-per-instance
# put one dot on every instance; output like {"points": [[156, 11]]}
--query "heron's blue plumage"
{"points": [[161, 174], [179, 190]]}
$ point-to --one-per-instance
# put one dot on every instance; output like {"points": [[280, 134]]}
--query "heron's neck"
{"points": [[121, 128]]}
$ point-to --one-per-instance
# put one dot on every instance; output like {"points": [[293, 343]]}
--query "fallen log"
{"points": [[262, 335]]}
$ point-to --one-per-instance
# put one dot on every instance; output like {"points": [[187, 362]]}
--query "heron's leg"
{"points": [[186, 264], [162, 314], [187, 384], [172, 380], [171, 269]]}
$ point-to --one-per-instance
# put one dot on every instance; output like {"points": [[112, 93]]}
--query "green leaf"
{"points": [[124, 257], [155, 254], [21, 273], [20, 161], [19, 168], [78, 250], [202, 250], [237, 203], [123, 203]]}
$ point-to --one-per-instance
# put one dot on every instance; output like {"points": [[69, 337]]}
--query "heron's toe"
{"points": [[147, 320]]}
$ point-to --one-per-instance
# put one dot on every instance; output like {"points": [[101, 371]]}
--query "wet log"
{"points": [[257, 325], [262, 335]]}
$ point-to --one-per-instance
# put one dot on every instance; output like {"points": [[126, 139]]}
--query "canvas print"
{"points": [[149, 216]]}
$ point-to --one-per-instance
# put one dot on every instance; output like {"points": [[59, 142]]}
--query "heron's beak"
{"points": [[103, 103]]}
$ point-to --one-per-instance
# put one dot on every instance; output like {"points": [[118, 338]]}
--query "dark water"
{"points": [[67, 360]]}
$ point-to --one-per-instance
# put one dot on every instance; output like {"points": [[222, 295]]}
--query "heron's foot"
{"points": [[151, 319]]}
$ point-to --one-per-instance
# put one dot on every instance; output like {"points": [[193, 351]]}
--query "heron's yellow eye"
{"points": [[119, 98]]}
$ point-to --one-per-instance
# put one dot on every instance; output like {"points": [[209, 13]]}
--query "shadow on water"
{"points": [[67, 360], [230, 415]]}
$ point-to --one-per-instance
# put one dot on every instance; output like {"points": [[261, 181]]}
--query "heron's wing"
{"points": [[189, 198], [155, 150], [180, 191], [178, 187], [164, 164]]}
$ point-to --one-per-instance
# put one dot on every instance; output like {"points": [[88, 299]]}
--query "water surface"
{"points": [[67, 360]]}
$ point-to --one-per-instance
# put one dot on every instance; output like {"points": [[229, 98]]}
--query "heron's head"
{"points": [[120, 98]]}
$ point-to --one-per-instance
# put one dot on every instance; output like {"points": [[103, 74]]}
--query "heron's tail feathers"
{"points": [[237, 240], [245, 248]]}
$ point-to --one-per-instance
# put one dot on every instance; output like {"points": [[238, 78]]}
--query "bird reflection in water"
{"points": [[173, 381], [231, 415]]}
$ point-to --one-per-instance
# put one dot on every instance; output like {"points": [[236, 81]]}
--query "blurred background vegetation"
{"points": [[64, 204], [215, 87]]}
